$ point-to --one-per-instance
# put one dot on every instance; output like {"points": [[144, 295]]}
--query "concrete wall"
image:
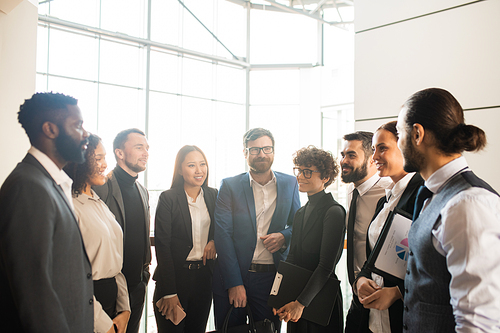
{"points": [[17, 77], [405, 46]]}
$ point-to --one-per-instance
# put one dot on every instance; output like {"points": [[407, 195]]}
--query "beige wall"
{"points": [[17, 79], [405, 46]]}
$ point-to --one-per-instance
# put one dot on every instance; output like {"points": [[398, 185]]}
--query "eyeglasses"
{"points": [[306, 172], [256, 150]]}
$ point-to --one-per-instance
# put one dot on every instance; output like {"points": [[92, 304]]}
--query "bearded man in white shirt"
{"points": [[364, 191], [45, 275], [452, 282]]}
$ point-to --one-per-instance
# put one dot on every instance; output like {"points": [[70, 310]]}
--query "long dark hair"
{"points": [[177, 179], [80, 173], [440, 113]]}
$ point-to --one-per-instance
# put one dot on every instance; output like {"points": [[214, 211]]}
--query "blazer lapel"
{"points": [[117, 194], [186, 216], [247, 190], [65, 198], [311, 221]]}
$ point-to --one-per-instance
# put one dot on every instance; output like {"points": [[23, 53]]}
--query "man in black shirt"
{"points": [[128, 200]]}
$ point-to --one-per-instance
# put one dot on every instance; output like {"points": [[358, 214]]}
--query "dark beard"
{"points": [[413, 160], [356, 174], [261, 168], [70, 150]]}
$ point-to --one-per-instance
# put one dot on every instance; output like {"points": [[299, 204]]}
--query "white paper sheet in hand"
{"points": [[393, 255]]}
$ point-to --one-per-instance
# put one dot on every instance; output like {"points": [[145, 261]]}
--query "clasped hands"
{"points": [[273, 242], [372, 296]]}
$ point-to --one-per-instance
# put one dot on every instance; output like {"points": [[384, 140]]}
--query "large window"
{"points": [[198, 72]]}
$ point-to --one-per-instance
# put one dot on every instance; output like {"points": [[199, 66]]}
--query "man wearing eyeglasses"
{"points": [[253, 219]]}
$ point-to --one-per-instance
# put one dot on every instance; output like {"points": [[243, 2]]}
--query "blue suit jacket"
{"points": [[236, 228]]}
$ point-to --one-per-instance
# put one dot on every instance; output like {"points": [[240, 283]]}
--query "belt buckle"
{"points": [[252, 268], [191, 266]]}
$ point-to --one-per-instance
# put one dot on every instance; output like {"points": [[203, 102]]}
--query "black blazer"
{"points": [[111, 194], [173, 235], [317, 246], [406, 203], [45, 275]]}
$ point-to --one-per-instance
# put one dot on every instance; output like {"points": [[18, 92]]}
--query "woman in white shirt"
{"points": [[185, 250], [103, 240], [384, 298]]}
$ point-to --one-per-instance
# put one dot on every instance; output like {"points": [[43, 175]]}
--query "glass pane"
{"points": [[83, 12], [121, 64], [73, 55], [195, 36], [164, 137], [282, 38], [338, 47], [275, 87], [119, 109], [41, 83], [125, 16], [230, 84], [164, 73], [231, 28], [284, 122], [165, 21], [84, 92], [42, 49], [229, 129], [197, 78]]}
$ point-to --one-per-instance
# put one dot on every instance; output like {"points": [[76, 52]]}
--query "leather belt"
{"points": [[193, 265], [262, 268]]}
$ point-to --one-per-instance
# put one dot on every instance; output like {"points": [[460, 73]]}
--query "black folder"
{"points": [[289, 282]]}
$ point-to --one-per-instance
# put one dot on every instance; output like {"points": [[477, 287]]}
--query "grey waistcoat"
{"points": [[427, 293]]}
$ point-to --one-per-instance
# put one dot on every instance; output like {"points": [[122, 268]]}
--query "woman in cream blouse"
{"points": [[103, 240]]}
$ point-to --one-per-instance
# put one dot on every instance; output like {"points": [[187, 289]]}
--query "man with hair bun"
{"points": [[452, 282]]}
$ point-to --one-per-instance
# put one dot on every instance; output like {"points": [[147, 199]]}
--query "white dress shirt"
{"points": [[369, 194], [265, 204], [103, 240], [59, 176], [468, 235], [379, 321], [200, 225]]}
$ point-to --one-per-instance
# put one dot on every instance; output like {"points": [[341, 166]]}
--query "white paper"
{"points": [[276, 284], [393, 255]]}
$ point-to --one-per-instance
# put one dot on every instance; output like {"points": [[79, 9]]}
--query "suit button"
{"points": [[91, 301], [405, 327], [89, 275], [406, 308]]}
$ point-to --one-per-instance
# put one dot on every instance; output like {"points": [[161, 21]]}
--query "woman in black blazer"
{"points": [[381, 296], [185, 250], [317, 238]]}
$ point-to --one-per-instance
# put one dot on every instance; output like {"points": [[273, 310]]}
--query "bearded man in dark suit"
{"points": [[45, 275]]}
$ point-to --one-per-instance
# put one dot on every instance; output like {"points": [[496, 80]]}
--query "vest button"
{"points": [[406, 290], [406, 308], [411, 252], [407, 272], [405, 327]]}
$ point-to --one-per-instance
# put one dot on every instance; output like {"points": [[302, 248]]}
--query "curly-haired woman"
{"points": [[103, 240], [317, 238]]}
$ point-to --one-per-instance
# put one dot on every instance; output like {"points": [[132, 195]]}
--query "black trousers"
{"points": [[105, 291], [357, 317], [194, 289], [136, 294]]}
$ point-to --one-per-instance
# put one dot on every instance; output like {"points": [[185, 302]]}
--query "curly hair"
{"points": [[42, 107], [323, 160], [80, 173]]}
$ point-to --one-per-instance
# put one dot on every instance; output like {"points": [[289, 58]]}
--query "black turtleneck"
{"points": [[312, 203], [134, 227]]}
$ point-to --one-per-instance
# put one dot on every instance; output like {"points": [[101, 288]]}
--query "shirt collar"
{"points": [[82, 198], [443, 174], [190, 200], [59, 176], [400, 186], [252, 181]]}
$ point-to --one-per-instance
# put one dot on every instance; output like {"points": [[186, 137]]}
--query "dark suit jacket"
{"points": [[45, 274], [112, 196], [236, 226], [406, 203], [317, 245], [174, 235]]}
